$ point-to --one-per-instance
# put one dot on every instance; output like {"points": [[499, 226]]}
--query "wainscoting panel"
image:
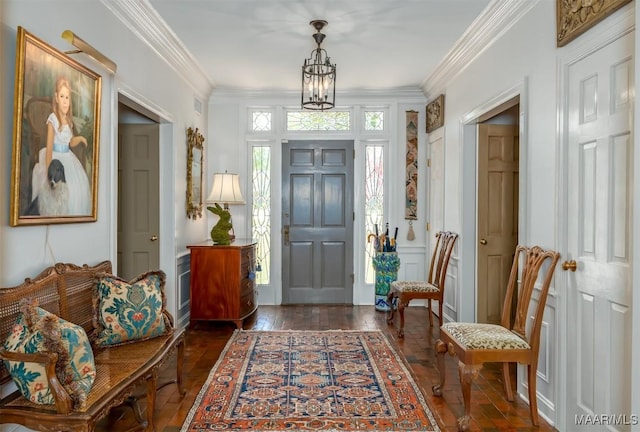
{"points": [[183, 272], [413, 266], [450, 307], [413, 263], [547, 372]]}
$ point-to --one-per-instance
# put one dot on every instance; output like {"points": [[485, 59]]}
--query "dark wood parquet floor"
{"points": [[205, 341]]}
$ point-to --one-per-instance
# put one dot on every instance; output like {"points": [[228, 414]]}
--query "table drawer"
{"points": [[247, 303], [247, 260], [246, 286]]}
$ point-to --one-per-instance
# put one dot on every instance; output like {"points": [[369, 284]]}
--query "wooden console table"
{"points": [[223, 281]]}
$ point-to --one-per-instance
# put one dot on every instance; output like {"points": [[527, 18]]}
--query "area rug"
{"points": [[309, 381]]}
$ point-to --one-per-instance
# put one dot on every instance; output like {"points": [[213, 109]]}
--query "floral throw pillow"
{"points": [[129, 311], [37, 330]]}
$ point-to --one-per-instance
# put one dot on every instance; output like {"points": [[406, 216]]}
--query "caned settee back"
{"points": [[63, 289]]}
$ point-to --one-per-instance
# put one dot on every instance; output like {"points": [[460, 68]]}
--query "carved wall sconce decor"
{"points": [[574, 17], [435, 114]]}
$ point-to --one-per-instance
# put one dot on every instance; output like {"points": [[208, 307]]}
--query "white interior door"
{"points": [[600, 107]]}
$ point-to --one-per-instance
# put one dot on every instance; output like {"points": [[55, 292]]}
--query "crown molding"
{"points": [[223, 95], [143, 20], [495, 20]]}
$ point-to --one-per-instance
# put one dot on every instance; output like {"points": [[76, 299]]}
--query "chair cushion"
{"points": [[414, 286], [37, 330], [484, 336], [129, 311]]}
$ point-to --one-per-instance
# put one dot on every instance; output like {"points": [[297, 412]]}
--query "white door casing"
{"points": [[599, 149], [436, 213]]}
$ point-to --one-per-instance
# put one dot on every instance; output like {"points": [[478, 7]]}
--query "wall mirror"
{"points": [[194, 173]]}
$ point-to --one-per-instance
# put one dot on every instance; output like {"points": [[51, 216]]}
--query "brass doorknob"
{"points": [[483, 241], [154, 238], [570, 265]]}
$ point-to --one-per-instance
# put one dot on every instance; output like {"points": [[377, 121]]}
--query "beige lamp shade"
{"points": [[225, 190]]}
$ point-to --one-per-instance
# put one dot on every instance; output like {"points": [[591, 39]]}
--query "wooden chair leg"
{"points": [[533, 399], [467, 374], [151, 400], [441, 350], [132, 402], [401, 305], [390, 297], [440, 317], [430, 313], [506, 379], [179, 368]]}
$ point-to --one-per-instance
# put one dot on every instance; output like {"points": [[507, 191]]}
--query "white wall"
{"points": [[142, 76], [527, 51]]}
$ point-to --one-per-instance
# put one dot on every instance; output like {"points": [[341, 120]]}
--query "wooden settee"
{"points": [[66, 290]]}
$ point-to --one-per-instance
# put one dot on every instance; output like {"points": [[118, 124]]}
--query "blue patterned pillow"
{"points": [[129, 311], [37, 330]]}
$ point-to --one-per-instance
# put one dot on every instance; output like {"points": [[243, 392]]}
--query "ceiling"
{"points": [[260, 45]]}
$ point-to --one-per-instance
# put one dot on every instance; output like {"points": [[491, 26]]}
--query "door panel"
{"points": [[139, 198], [599, 213], [300, 271], [318, 222], [498, 160], [302, 203], [333, 202]]}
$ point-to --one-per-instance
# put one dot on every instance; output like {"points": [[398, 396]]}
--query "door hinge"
{"points": [[429, 162], [428, 226]]}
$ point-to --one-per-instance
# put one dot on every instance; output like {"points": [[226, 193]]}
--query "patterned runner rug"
{"points": [[309, 381]]}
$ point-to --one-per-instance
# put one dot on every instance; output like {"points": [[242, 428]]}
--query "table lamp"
{"points": [[225, 190]]}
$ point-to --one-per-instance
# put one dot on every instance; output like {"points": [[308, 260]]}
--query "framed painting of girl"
{"points": [[55, 136]]}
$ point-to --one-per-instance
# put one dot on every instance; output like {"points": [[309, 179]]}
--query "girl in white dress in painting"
{"points": [[60, 140]]}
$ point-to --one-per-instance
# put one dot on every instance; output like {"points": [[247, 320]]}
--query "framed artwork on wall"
{"points": [[435, 114], [574, 18], [195, 152], [411, 166], [56, 130]]}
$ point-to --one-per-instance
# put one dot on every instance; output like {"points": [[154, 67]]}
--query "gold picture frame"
{"points": [[195, 157], [573, 17], [56, 136], [435, 114]]}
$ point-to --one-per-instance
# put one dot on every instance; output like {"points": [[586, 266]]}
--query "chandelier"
{"points": [[318, 75]]}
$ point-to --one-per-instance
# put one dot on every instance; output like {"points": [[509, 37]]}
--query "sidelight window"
{"points": [[261, 210], [374, 201]]}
